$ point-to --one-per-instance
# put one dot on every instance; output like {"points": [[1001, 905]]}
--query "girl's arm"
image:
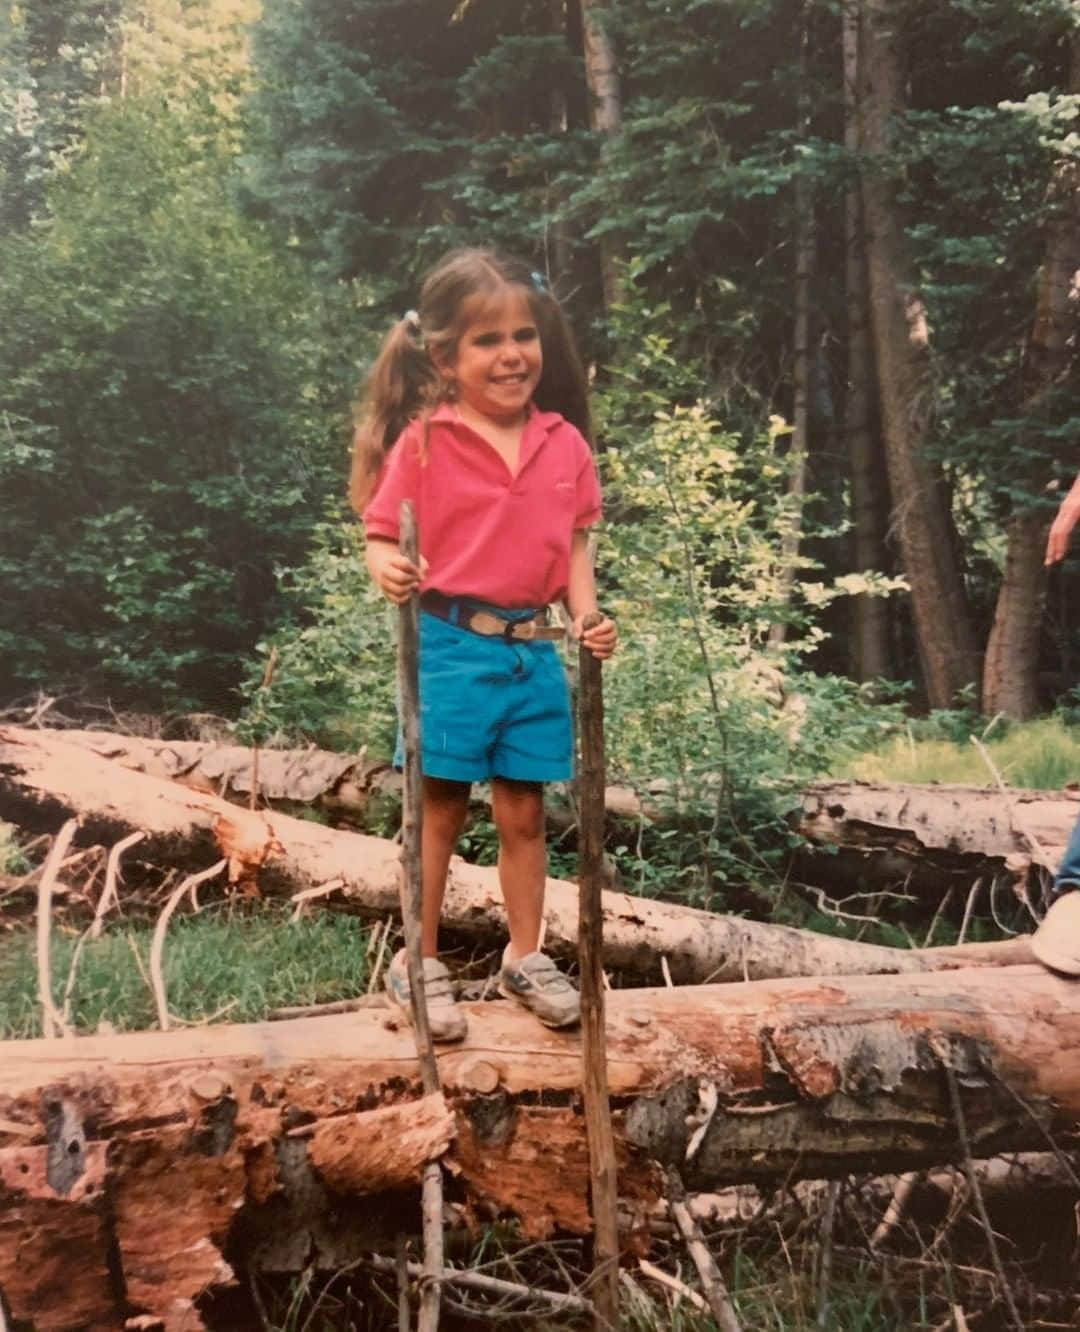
{"points": [[581, 599], [1067, 517]]}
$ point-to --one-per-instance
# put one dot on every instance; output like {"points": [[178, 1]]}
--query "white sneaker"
{"points": [[1056, 943], [446, 1020]]}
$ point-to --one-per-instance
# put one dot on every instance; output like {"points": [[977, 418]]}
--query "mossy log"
{"points": [[44, 780], [140, 1173]]}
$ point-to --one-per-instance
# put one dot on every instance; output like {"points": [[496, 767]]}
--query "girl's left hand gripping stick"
{"points": [[412, 806]]}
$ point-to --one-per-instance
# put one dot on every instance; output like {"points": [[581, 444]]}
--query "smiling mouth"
{"points": [[509, 381]]}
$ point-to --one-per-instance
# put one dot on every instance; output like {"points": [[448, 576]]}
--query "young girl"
{"points": [[483, 392]]}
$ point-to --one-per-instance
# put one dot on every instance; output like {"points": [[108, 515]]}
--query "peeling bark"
{"points": [[43, 780], [927, 837], [204, 1141]]}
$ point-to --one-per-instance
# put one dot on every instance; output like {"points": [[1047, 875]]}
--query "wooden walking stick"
{"points": [[411, 908], [605, 1280]]}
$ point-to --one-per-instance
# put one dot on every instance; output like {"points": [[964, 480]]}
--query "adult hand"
{"points": [[1060, 530], [601, 639]]}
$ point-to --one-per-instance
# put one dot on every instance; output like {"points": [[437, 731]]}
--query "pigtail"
{"points": [[563, 385], [402, 381]]}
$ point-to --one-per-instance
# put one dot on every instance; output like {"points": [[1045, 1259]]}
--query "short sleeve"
{"points": [[587, 507], [398, 480]]}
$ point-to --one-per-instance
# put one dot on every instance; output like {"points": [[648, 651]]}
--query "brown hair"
{"points": [[404, 382]]}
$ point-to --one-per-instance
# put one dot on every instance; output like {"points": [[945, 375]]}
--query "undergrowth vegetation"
{"points": [[229, 963]]}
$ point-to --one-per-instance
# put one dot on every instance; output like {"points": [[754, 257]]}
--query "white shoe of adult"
{"points": [[1056, 943]]}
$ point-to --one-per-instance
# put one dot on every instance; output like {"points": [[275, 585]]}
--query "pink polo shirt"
{"points": [[485, 533]]}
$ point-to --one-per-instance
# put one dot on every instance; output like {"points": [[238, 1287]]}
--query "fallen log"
{"points": [[928, 837], [924, 836], [130, 1166], [43, 781]]}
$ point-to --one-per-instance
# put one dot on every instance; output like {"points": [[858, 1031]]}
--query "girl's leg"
{"points": [[445, 807], [518, 811]]}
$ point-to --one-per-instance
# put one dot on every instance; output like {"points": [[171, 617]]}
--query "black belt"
{"points": [[531, 628]]}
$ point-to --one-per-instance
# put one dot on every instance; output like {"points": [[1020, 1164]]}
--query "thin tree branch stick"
{"points": [[598, 1130], [828, 1223], [157, 943], [361, 1001], [940, 1048], [401, 1270], [309, 894], [376, 969], [470, 1280], [716, 1291], [894, 1213], [52, 1022], [663, 1278], [411, 912], [112, 877]]}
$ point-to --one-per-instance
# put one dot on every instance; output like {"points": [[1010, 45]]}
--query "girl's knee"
{"points": [[518, 810], [445, 805]]}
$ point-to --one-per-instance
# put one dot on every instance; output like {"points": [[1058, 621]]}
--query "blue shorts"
{"points": [[490, 708]]}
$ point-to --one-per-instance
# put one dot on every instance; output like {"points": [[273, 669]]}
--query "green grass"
{"points": [[229, 963], [1041, 755]]}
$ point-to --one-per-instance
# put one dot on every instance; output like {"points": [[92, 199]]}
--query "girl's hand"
{"points": [[601, 639], [396, 577]]}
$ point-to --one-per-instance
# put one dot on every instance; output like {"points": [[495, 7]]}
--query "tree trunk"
{"points": [[869, 481], [43, 780], [1011, 670], [921, 514], [131, 1165], [805, 250], [605, 115]]}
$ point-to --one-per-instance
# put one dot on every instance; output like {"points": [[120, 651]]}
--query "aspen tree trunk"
{"points": [[804, 269], [605, 115], [920, 514], [869, 481], [1010, 675]]}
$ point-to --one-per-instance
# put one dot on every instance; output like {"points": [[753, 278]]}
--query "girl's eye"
{"points": [[526, 335]]}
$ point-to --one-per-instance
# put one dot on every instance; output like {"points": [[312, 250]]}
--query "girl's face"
{"points": [[499, 358]]}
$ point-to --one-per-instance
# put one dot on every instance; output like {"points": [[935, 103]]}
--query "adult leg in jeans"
{"points": [[1056, 943]]}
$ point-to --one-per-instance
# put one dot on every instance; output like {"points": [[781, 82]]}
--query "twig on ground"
{"points": [[663, 1278], [716, 1291], [941, 907], [894, 1213], [112, 878], [666, 971], [157, 943], [969, 906], [52, 1021], [487, 1285], [376, 969], [361, 1001], [306, 895], [993, 908]]}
